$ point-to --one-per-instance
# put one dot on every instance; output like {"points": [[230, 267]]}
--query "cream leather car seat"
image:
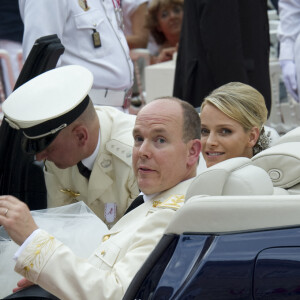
{"points": [[235, 176], [291, 136], [282, 163]]}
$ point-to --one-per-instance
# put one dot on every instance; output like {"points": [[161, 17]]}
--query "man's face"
{"points": [[159, 153], [62, 151]]}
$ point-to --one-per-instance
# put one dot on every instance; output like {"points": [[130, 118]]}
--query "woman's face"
{"points": [[223, 138], [170, 20]]}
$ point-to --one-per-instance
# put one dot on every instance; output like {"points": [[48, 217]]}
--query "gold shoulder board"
{"points": [[173, 202]]}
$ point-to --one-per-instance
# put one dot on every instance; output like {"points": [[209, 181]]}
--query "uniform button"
{"points": [[105, 238], [103, 253]]}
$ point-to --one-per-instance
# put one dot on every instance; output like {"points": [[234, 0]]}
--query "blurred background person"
{"points": [[134, 14], [222, 41], [289, 37], [11, 34], [164, 21], [92, 34]]}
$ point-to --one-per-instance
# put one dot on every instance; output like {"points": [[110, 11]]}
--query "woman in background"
{"points": [[164, 20], [232, 123]]}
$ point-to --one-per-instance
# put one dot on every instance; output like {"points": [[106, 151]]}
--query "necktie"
{"points": [[83, 170], [135, 203]]}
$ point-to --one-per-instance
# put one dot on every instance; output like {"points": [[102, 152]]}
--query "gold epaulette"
{"points": [[173, 202]]}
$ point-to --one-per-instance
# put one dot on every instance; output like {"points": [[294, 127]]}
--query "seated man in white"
{"points": [[165, 156]]}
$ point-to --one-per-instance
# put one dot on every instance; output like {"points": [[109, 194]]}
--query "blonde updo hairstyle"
{"points": [[243, 104]]}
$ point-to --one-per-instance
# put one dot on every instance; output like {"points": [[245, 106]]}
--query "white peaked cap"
{"points": [[48, 103]]}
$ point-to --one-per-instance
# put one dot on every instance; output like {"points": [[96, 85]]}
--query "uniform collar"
{"points": [[89, 161], [148, 197]]}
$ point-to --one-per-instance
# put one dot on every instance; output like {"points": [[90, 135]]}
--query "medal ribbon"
{"points": [[117, 5]]}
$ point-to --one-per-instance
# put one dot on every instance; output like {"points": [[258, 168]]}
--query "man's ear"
{"points": [[194, 149], [253, 136], [81, 135]]}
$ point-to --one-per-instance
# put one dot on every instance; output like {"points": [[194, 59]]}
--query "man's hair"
{"points": [[191, 122], [191, 119], [89, 114]]}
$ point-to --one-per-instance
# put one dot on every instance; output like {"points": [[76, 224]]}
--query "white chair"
{"points": [[272, 13], [273, 26], [159, 79], [140, 59], [275, 119]]}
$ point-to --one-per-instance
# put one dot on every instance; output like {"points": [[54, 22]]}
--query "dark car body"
{"points": [[259, 263]]}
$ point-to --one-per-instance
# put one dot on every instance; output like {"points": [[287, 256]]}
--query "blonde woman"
{"points": [[232, 123]]}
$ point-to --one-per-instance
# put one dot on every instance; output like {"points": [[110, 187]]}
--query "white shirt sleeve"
{"points": [[26, 242]]}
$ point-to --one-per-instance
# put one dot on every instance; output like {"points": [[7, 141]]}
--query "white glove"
{"points": [[288, 69]]}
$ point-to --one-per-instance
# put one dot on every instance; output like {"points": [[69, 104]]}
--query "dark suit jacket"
{"points": [[222, 41]]}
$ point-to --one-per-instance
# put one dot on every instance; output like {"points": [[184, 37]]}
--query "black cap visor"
{"points": [[34, 146]]}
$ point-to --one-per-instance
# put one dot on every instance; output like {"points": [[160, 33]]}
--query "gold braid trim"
{"points": [[37, 253], [173, 202]]}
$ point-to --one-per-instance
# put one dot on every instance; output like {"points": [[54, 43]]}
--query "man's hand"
{"points": [[288, 69], [16, 219], [22, 284]]}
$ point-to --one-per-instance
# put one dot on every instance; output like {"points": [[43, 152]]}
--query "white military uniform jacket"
{"points": [[112, 179], [107, 275], [110, 64]]}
